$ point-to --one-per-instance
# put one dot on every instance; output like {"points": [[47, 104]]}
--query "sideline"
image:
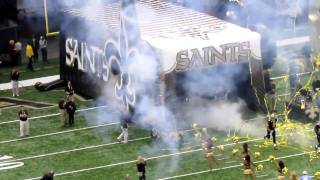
{"points": [[54, 114], [55, 133], [83, 148], [133, 161]]}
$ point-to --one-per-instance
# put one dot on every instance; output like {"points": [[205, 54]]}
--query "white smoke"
{"points": [[223, 116]]}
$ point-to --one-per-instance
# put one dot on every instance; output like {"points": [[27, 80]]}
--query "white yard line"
{"points": [[80, 110], [150, 158], [55, 133], [229, 167], [230, 162], [80, 149], [293, 41], [73, 150], [298, 74], [50, 115], [262, 175]]}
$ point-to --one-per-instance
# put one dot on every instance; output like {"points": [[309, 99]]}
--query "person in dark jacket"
{"points": [[35, 47], [71, 109], [48, 176], [14, 76], [12, 52], [141, 168], [271, 129]]}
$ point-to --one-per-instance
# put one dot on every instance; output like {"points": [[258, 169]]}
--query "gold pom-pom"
{"points": [[271, 158], [317, 175], [221, 148], [235, 139], [235, 151], [260, 167], [285, 170], [214, 139], [257, 155], [194, 125], [312, 156]]}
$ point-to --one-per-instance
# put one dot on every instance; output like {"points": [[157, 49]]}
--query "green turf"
{"points": [[158, 167], [40, 70]]}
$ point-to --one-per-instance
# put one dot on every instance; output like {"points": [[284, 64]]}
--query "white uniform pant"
{"points": [[24, 128], [15, 88], [124, 135]]}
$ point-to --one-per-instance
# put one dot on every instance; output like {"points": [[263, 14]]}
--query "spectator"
{"points": [[12, 53], [124, 130], [71, 109], [69, 90], [43, 48], [29, 54], [35, 47], [15, 82], [305, 176], [141, 168], [24, 123], [63, 113], [48, 176], [18, 48]]}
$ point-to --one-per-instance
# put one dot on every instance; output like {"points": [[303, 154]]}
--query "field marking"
{"points": [[229, 167], [262, 175], [54, 114], [87, 109], [55, 133], [293, 41], [230, 162], [80, 149], [149, 158], [73, 150], [298, 74]]}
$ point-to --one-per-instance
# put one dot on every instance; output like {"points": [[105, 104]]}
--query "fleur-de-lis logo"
{"points": [[129, 38]]}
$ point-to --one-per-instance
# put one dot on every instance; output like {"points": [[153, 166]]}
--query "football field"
{"points": [[89, 150]]}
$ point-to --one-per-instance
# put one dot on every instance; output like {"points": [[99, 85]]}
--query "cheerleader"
{"points": [[248, 167], [281, 171], [141, 168], [245, 150], [317, 131], [209, 155]]}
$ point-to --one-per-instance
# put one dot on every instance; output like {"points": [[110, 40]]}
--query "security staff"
{"points": [[271, 129], [71, 109]]}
